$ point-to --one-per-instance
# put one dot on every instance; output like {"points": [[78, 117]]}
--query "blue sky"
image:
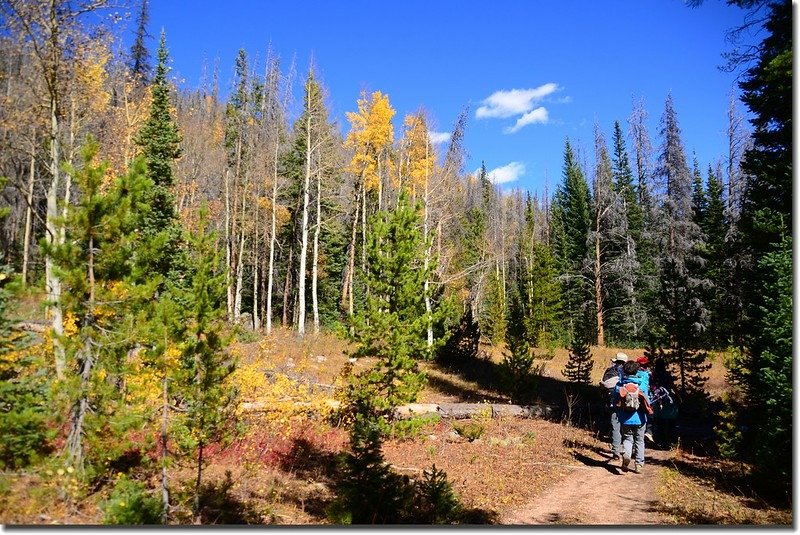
{"points": [[533, 73]]}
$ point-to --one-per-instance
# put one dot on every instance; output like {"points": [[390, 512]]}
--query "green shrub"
{"points": [[131, 504], [413, 427], [437, 503], [469, 430]]}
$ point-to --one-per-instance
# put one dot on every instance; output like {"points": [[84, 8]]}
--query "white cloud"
{"points": [[507, 173], [539, 115], [439, 137], [512, 102]]}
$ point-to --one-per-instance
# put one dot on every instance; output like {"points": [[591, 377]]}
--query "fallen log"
{"points": [[453, 411], [461, 411]]}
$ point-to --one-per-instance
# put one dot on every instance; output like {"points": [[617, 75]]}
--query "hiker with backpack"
{"points": [[633, 409], [665, 405], [644, 367], [611, 377]]}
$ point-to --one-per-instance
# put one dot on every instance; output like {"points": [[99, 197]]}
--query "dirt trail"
{"points": [[598, 492]]}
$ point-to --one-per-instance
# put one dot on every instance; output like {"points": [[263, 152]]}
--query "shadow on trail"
{"points": [[375, 482], [606, 464]]}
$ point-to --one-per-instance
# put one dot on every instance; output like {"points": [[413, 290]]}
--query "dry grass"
{"points": [[279, 474], [700, 490]]}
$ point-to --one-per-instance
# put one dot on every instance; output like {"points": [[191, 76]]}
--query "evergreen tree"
{"points": [[100, 297], [572, 223], [25, 409], [393, 329], [159, 141], [204, 362], [765, 231], [393, 326], [493, 313], [140, 56], [579, 366], [769, 363], [683, 314], [612, 256], [517, 365], [714, 224], [537, 286]]}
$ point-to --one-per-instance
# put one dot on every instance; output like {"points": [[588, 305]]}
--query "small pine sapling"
{"points": [[579, 366]]}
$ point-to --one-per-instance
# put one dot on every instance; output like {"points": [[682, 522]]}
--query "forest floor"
{"points": [[283, 469]]}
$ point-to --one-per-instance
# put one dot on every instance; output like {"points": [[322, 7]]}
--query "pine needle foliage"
{"points": [[579, 366]]}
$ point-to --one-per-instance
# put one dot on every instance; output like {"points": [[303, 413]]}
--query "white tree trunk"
{"points": [[28, 219], [52, 282], [315, 260], [228, 245], [256, 318], [237, 302], [273, 229], [301, 282], [426, 231]]}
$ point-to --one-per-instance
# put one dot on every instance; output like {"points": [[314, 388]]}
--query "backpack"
{"points": [[629, 397], [610, 377]]}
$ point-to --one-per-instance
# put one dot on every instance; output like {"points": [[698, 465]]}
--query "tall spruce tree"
{"points": [[683, 314], [159, 141], [627, 314], [571, 229], [765, 230], [714, 225], [140, 57]]}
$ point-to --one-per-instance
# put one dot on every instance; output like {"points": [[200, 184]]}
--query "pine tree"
{"points": [[537, 286], [572, 223], [204, 363], [140, 57], [683, 314], [393, 325], [517, 365], [159, 141], [714, 225], [765, 227], [101, 293], [579, 366], [493, 312], [626, 314], [392, 328], [25, 409]]}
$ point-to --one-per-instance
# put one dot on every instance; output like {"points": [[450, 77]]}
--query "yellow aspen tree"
{"points": [[370, 138]]}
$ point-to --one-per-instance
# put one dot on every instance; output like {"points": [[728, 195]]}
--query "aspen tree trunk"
{"points": [[164, 451], [272, 237], [256, 319], [425, 232], [52, 281], [315, 260], [380, 185], [301, 282], [287, 287], [347, 284], [28, 219], [228, 245], [237, 303]]}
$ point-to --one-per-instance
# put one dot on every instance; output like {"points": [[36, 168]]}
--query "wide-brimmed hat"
{"points": [[620, 357]]}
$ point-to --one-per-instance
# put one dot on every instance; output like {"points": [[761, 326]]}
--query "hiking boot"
{"points": [[637, 469], [616, 456], [625, 462]]}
